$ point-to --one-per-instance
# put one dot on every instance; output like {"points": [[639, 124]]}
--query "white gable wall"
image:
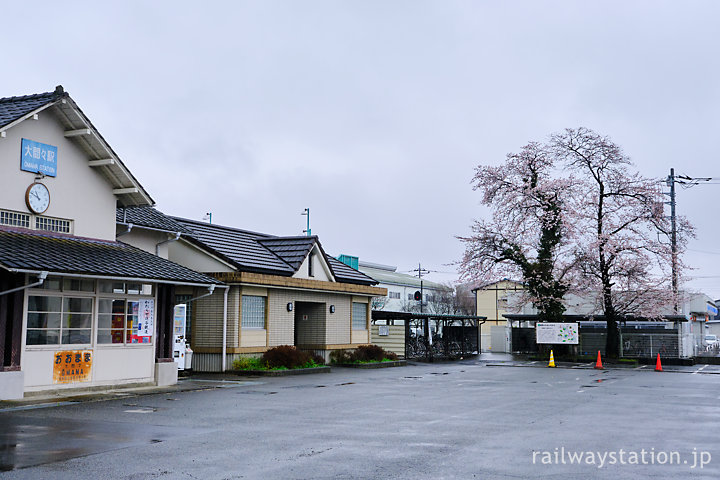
{"points": [[77, 193], [321, 269]]}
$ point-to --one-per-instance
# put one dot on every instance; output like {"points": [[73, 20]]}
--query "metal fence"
{"points": [[444, 339], [633, 344], [649, 345]]}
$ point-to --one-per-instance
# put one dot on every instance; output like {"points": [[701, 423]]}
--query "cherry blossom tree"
{"points": [[623, 233], [527, 235]]}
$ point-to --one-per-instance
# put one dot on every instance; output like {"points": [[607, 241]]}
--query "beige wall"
{"points": [[188, 256], [491, 301], [78, 193], [393, 342], [145, 239], [280, 324]]}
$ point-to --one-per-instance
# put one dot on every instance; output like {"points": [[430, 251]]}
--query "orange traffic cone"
{"points": [[658, 365], [598, 364], [552, 360]]}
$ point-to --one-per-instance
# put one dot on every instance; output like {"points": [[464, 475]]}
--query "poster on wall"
{"points": [[145, 321], [71, 366], [38, 157], [557, 333]]}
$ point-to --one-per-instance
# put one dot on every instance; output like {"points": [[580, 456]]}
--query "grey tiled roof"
{"points": [[347, 273], [27, 250], [292, 250], [261, 253], [241, 247], [146, 216], [12, 108]]}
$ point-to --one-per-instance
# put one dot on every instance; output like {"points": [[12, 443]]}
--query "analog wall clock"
{"points": [[37, 197]]}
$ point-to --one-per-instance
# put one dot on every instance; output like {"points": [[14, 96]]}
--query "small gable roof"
{"points": [[292, 250], [80, 130]]}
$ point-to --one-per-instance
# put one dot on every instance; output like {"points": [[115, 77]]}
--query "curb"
{"points": [[396, 363], [279, 373]]}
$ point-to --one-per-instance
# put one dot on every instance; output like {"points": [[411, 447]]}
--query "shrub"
{"points": [[369, 353], [286, 356], [340, 356], [363, 354], [248, 363], [317, 360]]}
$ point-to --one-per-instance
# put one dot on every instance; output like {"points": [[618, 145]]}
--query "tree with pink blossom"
{"points": [[622, 231], [527, 235], [572, 215]]}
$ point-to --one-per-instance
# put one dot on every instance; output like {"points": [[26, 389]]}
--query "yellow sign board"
{"points": [[72, 366]]}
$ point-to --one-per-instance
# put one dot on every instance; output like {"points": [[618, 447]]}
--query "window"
{"points": [[311, 265], [359, 316], [78, 285], [394, 295], [59, 320], [122, 287], [53, 224], [410, 296], [253, 311], [117, 319], [14, 219], [24, 220]]}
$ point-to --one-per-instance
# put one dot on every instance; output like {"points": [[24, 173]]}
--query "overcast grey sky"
{"points": [[374, 113]]}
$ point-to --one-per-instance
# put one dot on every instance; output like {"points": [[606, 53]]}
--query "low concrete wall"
{"points": [[166, 373], [12, 385]]}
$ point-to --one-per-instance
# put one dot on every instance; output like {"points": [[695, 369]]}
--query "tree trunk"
{"points": [[612, 340]]}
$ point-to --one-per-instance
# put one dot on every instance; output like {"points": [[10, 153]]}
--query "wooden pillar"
{"points": [[164, 329], [11, 318]]}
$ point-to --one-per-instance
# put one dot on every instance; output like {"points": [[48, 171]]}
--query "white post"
{"points": [[224, 343]]}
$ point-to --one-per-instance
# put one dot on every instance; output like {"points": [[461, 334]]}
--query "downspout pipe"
{"points": [[129, 229], [225, 318], [41, 279], [211, 289], [157, 246]]}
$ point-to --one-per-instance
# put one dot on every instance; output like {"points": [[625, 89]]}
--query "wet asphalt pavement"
{"points": [[472, 419]]}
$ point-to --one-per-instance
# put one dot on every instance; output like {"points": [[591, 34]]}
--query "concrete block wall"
{"points": [[208, 321], [281, 322]]}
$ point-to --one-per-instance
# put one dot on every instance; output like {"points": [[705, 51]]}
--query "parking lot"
{"points": [[470, 419]]}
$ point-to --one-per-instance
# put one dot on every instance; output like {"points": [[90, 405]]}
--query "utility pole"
{"points": [[308, 232], [420, 272], [208, 216], [673, 239], [687, 182]]}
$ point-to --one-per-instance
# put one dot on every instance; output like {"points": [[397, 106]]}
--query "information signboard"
{"points": [[72, 366], [38, 157], [146, 319], [557, 333]]}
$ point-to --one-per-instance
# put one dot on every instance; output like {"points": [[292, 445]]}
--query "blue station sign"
{"points": [[38, 157]]}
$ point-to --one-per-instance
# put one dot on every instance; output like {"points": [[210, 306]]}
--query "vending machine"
{"points": [[179, 346]]}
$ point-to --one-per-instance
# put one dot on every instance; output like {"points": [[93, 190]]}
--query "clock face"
{"points": [[37, 198]]}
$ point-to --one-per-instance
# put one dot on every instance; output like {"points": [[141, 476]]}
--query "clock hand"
{"points": [[36, 195]]}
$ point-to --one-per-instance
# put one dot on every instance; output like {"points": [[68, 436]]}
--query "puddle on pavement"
{"points": [[30, 441]]}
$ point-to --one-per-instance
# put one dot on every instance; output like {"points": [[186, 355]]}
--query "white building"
{"points": [[401, 288]]}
